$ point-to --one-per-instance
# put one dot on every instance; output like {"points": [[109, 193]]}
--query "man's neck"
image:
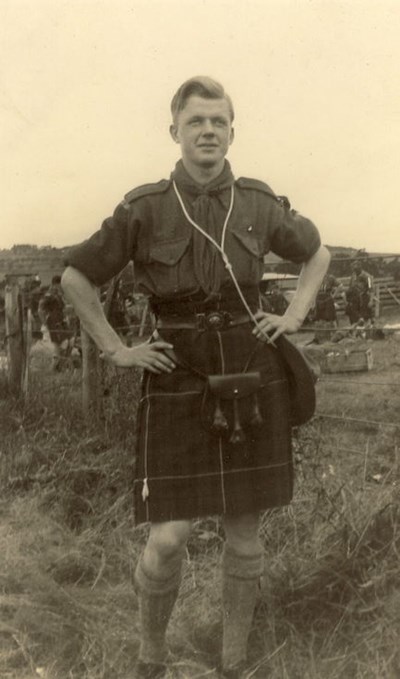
{"points": [[203, 175]]}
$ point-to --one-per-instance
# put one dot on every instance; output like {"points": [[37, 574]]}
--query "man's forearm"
{"points": [[310, 279], [82, 294]]}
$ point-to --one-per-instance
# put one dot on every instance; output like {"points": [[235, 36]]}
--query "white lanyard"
{"points": [[220, 248]]}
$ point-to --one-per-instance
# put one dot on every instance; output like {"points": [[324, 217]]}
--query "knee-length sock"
{"points": [[156, 601], [240, 586]]}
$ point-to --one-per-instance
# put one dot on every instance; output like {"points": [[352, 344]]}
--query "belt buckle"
{"points": [[214, 320]]}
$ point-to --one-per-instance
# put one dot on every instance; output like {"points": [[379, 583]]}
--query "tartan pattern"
{"points": [[184, 470]]}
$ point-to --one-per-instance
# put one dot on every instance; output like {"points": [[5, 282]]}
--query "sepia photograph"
{"points": [[200, 339]]}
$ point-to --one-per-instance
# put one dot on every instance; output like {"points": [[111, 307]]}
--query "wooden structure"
{"points": [[385, 292], [44, 264], [14, 334], [341, 359]]}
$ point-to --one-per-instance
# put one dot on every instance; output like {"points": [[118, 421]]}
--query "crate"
{"points": [[347, 359]]}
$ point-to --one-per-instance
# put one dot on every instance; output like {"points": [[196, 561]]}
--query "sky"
{"points": [[85, 90]]}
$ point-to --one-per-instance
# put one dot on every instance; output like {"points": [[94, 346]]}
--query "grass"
{"points": [[330, 599]]}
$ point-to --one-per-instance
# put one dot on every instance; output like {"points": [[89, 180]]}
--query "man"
{"points": [[359, 295], [33, 292], [325, 308], [51, 312], [198, 241], [273, 300]]}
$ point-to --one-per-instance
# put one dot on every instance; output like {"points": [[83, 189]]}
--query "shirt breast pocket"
{"points": [[167, 265], [246, 256]]}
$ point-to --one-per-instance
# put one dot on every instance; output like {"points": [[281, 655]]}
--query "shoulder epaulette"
{"points": [[147, 190], [248, 183]]}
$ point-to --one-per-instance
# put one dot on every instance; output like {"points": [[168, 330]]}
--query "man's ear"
{"points": [[232, 136], [174, 133]]}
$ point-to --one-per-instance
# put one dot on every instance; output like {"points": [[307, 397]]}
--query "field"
{"points": [[329, 604]]}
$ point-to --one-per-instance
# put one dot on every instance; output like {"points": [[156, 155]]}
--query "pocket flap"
{"points": [[249, 242], [237, 385], [169, 252]]}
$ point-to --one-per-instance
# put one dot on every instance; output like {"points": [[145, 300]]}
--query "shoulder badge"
{"points": [[147, 190], [284, 201]]}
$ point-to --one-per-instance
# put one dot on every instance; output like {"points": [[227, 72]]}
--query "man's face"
{"points": [[204, 131]]}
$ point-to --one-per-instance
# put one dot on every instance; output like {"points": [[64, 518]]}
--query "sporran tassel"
{"points": [[220, 423], [238, 433], [256, 417]]}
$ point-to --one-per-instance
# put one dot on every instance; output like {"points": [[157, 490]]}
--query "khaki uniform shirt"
{"points": [[172, 258]]}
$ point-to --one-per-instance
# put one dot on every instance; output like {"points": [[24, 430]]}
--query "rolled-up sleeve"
{"points": [[109, 250], [293, 236]]}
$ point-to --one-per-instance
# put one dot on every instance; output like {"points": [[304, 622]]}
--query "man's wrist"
{"points": [[112, 350], [295, 316]]}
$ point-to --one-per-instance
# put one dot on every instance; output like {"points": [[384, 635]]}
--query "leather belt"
{"points": [[213, 320]]}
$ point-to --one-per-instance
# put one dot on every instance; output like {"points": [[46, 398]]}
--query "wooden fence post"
{"points": [[377, 300], [90, 375], [27, 347], [14, 334]]}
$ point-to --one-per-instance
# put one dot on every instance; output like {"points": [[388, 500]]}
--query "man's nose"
{"points": [[208, 127]]}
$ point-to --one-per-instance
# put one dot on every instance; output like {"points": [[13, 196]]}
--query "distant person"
{"points": [[396, 271], [359, 296], [2, 307], [325, 307], [118, 317], [51, 311], [35, 297], [31, 294], [273, 300], [325, 313]]}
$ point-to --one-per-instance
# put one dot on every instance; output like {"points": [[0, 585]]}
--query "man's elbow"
{"points": [[67, 278], [322, 256], [72, 280]]}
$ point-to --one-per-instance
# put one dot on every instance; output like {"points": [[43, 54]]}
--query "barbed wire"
{"points": [[303, 328], [317, 415], [358, 382], [364, 257], [341, 449], [348, 258], [357, 419]]}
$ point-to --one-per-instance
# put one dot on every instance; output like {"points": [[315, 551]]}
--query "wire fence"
{"points": [[130, 334], [353, 408]]}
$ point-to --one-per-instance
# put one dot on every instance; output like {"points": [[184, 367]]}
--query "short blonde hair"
{"points": [[202, 86]]}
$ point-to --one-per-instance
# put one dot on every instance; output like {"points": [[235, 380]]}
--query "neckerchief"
{"points": [[208, 206]]}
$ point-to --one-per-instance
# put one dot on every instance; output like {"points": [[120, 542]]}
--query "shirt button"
{"points": [[250, 228]]}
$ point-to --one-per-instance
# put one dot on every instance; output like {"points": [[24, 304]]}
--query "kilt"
{"points": [[184, 469]]}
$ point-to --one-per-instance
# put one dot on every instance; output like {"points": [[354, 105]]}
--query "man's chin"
{"points": [[208, 162]]}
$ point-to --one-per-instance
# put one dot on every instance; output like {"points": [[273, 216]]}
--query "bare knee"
{"points": [[167, 541]]}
